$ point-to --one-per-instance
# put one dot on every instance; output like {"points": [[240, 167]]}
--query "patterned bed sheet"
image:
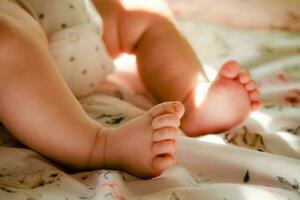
{"points": [[258, 159]]}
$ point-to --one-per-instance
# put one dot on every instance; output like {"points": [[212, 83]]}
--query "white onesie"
{"points": [[74, 29]]}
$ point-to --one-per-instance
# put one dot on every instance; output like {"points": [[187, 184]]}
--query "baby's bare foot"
{"points": [[145, 145], [222, 104]]}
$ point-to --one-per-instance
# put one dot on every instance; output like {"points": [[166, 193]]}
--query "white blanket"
{"points": [[256, 160]]}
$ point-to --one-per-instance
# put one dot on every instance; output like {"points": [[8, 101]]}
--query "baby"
{"points": [[52, 51]]}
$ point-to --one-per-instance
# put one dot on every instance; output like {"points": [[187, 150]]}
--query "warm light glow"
{"points": [[125, 62], [211, 73], [155, 6], [216, 139], [201, 93]]}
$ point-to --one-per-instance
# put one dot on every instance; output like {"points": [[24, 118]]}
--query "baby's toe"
{"points": [[251, 85], [175, 108], [230, 70], [255, 105], [254, 95], [166, 120], [162, 163], [166, 133], [244, 77], [164, 147]]}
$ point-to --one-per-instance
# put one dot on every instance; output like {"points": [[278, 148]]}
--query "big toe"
{"points": [[230, 69], [175, 108]]}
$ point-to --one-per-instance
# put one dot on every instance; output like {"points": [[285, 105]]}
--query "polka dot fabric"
{"points": [[74, 30]]}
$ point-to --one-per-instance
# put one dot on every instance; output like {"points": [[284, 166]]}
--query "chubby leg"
{"points": [[222, 104], [39, 109], [145, 145], [170, 69], [35, 103]]}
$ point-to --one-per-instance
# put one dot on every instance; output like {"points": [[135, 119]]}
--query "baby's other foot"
{"points": [[222, 104], [145, 145]]}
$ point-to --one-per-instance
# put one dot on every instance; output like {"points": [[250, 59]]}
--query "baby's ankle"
{"points": [[98, 154], [111, 149]]}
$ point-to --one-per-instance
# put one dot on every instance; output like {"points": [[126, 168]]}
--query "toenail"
{"points": [[176, 106]]}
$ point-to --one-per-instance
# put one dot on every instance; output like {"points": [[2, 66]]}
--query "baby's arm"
{"points": [[163, 55], [35, 103]]}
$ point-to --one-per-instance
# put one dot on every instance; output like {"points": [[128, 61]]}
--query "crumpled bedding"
{"points": [[258, 159]]}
